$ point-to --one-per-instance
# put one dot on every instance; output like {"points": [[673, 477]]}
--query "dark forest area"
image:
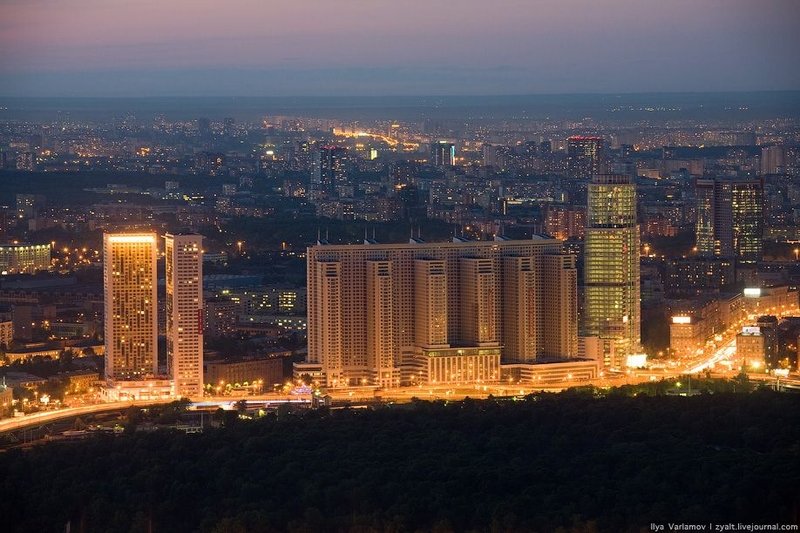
{"points": [[570, 462]]}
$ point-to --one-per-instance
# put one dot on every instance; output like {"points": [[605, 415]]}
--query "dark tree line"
{"points": [[570, 462]]}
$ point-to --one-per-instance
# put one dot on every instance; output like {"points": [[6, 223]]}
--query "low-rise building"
{"points": [[29, 352], [24, 258], [693, 323], [751, 346], [78, 381], [551, 372], [158, 388], [237, 373]]}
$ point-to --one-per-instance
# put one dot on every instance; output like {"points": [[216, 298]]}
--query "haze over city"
{"points": [[433, 47]]}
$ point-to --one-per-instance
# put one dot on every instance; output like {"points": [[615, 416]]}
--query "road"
{"points": [[726, 351], [44, 417], [370, 394]]}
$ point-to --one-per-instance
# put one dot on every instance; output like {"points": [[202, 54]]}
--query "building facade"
{"points": [[392, 314], [612, 306], [245, 372], [24, 258], [184, 313], [131, 319]]}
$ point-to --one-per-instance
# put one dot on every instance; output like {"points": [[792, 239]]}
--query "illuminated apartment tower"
{"points": [[705, 239], [131, 332], [479, 301], [392, 314], [559, 306], [380, 324], [327, 313], [585, 156], [184, 313], [742, 233], [611, 267], [430, 303], [521, 309]]}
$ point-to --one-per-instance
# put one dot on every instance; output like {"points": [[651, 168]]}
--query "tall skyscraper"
{"points": [[705, 238], [730, 218], [585, 156], [612, 304], [392, 314], [329, 170], [184, 279], [746, 220], [773, 159], [443, 154], [560, 323], [131, 314]]}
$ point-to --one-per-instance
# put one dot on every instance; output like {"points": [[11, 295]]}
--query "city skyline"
{"points": [[512, 265], [249, 48]]}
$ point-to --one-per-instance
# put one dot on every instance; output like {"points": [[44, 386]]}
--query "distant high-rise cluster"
{"points": [[392, 314], [612, 304], [730, 218], [443, 154]]}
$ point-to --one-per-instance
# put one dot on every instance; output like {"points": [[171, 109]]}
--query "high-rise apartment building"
{"points": [[744, 241], [392, 314], [773, 159], [612, 307], [705, 238], [329, 170], [184, 313], [560, 324], [730, 218], [585, 156], [131, 319], [443, 154], [565, 221]]}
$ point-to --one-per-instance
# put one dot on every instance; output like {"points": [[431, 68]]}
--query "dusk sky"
{"points": [[398, 47]]}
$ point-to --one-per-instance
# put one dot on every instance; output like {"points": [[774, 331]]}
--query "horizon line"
{"points": [[430, 95]]}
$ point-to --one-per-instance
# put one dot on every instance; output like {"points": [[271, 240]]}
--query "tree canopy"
{"points": [[570, 462]]}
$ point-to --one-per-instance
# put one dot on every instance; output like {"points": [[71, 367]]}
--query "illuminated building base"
{"points": [[461, 365], [551, 372], [158, 388]]}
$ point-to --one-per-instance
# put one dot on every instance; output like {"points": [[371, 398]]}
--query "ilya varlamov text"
{"points": [[720, 527]]}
